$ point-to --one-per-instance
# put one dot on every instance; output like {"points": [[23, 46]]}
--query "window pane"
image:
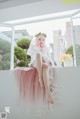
{"points": [[5, 47], [63, 43], [58, 36], [76, 27]]}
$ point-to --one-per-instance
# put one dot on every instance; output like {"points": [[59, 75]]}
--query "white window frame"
{"points": [[40, 20]]}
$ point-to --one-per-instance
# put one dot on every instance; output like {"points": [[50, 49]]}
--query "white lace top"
{"points": [[45, 52]]}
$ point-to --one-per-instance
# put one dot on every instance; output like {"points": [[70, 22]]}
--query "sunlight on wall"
{"points": [[71, 1]]}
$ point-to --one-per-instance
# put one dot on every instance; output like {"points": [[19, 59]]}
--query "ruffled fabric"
{"points": [[45, 52], [30, 91]]}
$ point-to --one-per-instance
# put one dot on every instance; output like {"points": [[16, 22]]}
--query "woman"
{"points": [[41, 60]]}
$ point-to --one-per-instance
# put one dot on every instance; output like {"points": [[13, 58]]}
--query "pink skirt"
{"points": [[29, 87]]}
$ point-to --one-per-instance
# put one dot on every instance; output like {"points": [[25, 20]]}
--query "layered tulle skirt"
{"points": [[29, 88]]}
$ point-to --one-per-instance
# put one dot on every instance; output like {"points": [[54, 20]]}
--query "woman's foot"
{"points": [[50, 99]]}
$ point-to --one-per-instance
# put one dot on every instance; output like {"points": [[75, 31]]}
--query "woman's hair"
{"points": [[40, 34]]}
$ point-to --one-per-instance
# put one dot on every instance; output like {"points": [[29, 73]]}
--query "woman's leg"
{"points": [[46, 83], [39, 68], [42, 69]]}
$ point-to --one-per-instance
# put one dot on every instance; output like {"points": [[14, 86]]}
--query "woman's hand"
{"points": [[30, 65]]}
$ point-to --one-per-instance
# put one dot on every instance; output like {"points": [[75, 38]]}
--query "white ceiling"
{"points": [[11, 3]]}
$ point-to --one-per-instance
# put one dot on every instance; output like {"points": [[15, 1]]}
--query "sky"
{"points": [[46, 27]]}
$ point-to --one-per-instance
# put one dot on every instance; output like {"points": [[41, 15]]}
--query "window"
{"points": [[5, 47], [62, 31]]}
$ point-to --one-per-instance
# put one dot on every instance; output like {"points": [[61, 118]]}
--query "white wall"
{"points": [[68, 107], [34, 9]]}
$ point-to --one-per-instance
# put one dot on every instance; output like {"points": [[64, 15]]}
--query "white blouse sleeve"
{"points": [[49, 51], [32, 48], [30, 51]]}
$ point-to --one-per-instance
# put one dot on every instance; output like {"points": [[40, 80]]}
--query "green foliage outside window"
{"points": [[5, 48], [77, 49], [24, 43], [21, 59]]}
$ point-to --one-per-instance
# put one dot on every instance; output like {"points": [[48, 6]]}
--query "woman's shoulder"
{"points": [[33, 46], [48, 48]]}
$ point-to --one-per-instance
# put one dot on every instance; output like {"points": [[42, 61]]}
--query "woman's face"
{"points": [[41, 40]]}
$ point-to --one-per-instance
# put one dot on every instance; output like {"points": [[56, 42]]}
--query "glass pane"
{"points": [[5, 47], [62, 42], [58, 36], [76, 28], [27, 32]]}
